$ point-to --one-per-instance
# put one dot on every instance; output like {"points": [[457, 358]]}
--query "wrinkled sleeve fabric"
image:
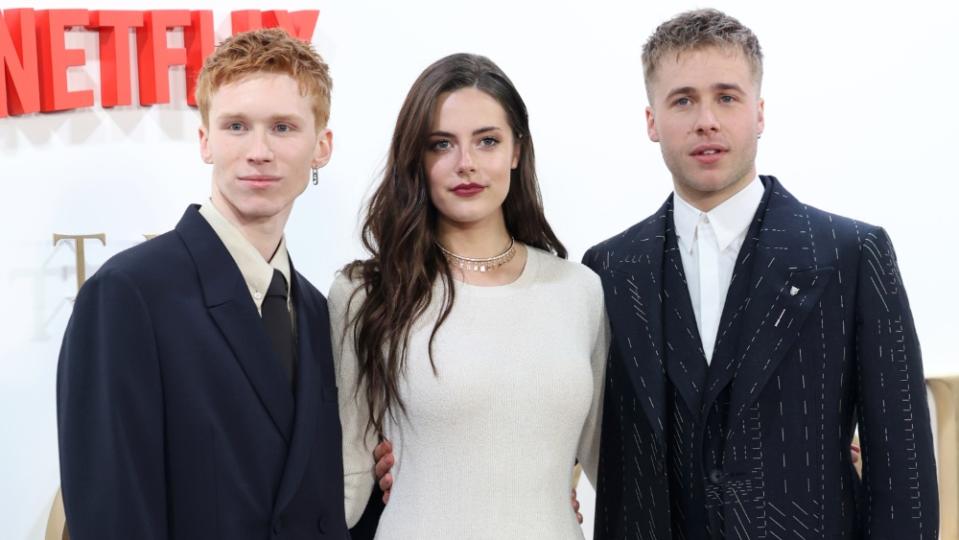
{"points": [[110, 415], [588, 450], [358, 441]]}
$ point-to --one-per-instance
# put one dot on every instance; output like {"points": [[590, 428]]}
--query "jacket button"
{"points": [[716, 476]]}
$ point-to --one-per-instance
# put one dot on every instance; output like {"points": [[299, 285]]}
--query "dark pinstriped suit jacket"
{"points": [[822, 341]]}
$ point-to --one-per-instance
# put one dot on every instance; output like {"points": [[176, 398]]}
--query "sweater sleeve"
{"points": [[588, 450], [358, 441]]}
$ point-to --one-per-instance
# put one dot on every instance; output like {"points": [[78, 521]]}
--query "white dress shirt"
{"points": [[257, 272], [709, 244]]}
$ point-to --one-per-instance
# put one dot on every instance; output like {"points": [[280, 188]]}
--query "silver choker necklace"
{"points": [[486, 264]]}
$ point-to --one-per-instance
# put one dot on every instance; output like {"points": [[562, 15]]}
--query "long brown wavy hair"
{"points": [[400, 228]]}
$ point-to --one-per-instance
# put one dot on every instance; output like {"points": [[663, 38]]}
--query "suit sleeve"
{"points": [[899, 471], [588, 451], [110, 416], [358, 442]]}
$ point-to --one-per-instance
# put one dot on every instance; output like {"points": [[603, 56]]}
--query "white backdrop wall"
{"points": [[861, 120]]}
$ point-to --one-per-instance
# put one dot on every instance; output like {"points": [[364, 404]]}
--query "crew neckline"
{"points": [[525, 277]]}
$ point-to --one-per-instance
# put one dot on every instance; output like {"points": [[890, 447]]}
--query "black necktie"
{"points": [[276, 319]]}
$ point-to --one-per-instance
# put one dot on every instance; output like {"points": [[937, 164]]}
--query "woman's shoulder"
{"points": [[554, 268], [344, 281], [569, 285], [346, 285]]}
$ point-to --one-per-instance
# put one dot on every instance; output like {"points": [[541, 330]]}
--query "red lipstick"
{"points": [[467, 189]]}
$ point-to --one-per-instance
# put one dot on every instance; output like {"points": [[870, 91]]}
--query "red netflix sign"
{"points": [[34, 58]]}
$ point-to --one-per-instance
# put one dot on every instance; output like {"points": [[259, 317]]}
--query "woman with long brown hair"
{"points": [[466, 338]]}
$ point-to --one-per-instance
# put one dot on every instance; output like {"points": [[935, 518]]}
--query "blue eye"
{"points": [[682, 102], [727, 99], [440, 145], [235, 126], [489, 141]]}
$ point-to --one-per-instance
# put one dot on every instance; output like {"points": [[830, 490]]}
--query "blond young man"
{"points": [[196, 396], [752, 334]]}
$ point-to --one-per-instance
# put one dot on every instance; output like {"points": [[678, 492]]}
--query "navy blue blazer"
{"points": [[823, 341], [176, 419]]}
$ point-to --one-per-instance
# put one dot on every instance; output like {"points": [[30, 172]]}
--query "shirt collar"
{"points": [[685, 219], [256, 271], [729, 220]]}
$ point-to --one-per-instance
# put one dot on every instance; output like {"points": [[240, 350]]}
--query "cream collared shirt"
{"points": [[709, 244], [257, 272]]}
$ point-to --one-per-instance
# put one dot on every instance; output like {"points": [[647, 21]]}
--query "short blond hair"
{"points": [[266, 51], [697, 29]]}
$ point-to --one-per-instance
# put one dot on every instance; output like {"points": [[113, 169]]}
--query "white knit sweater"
{"points": [[487, 445]]}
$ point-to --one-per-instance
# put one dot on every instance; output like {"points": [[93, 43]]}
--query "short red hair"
{"points": [[266, 51]]}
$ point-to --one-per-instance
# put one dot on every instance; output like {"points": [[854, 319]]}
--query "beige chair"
{"points": [[945, 393], [57, 521], [577, 473]]}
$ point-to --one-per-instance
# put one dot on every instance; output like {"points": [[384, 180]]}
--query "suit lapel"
{"points": [[312, 340], [739, 296], [229, 304], [783, 286], [632, 278], [685, 358]]}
